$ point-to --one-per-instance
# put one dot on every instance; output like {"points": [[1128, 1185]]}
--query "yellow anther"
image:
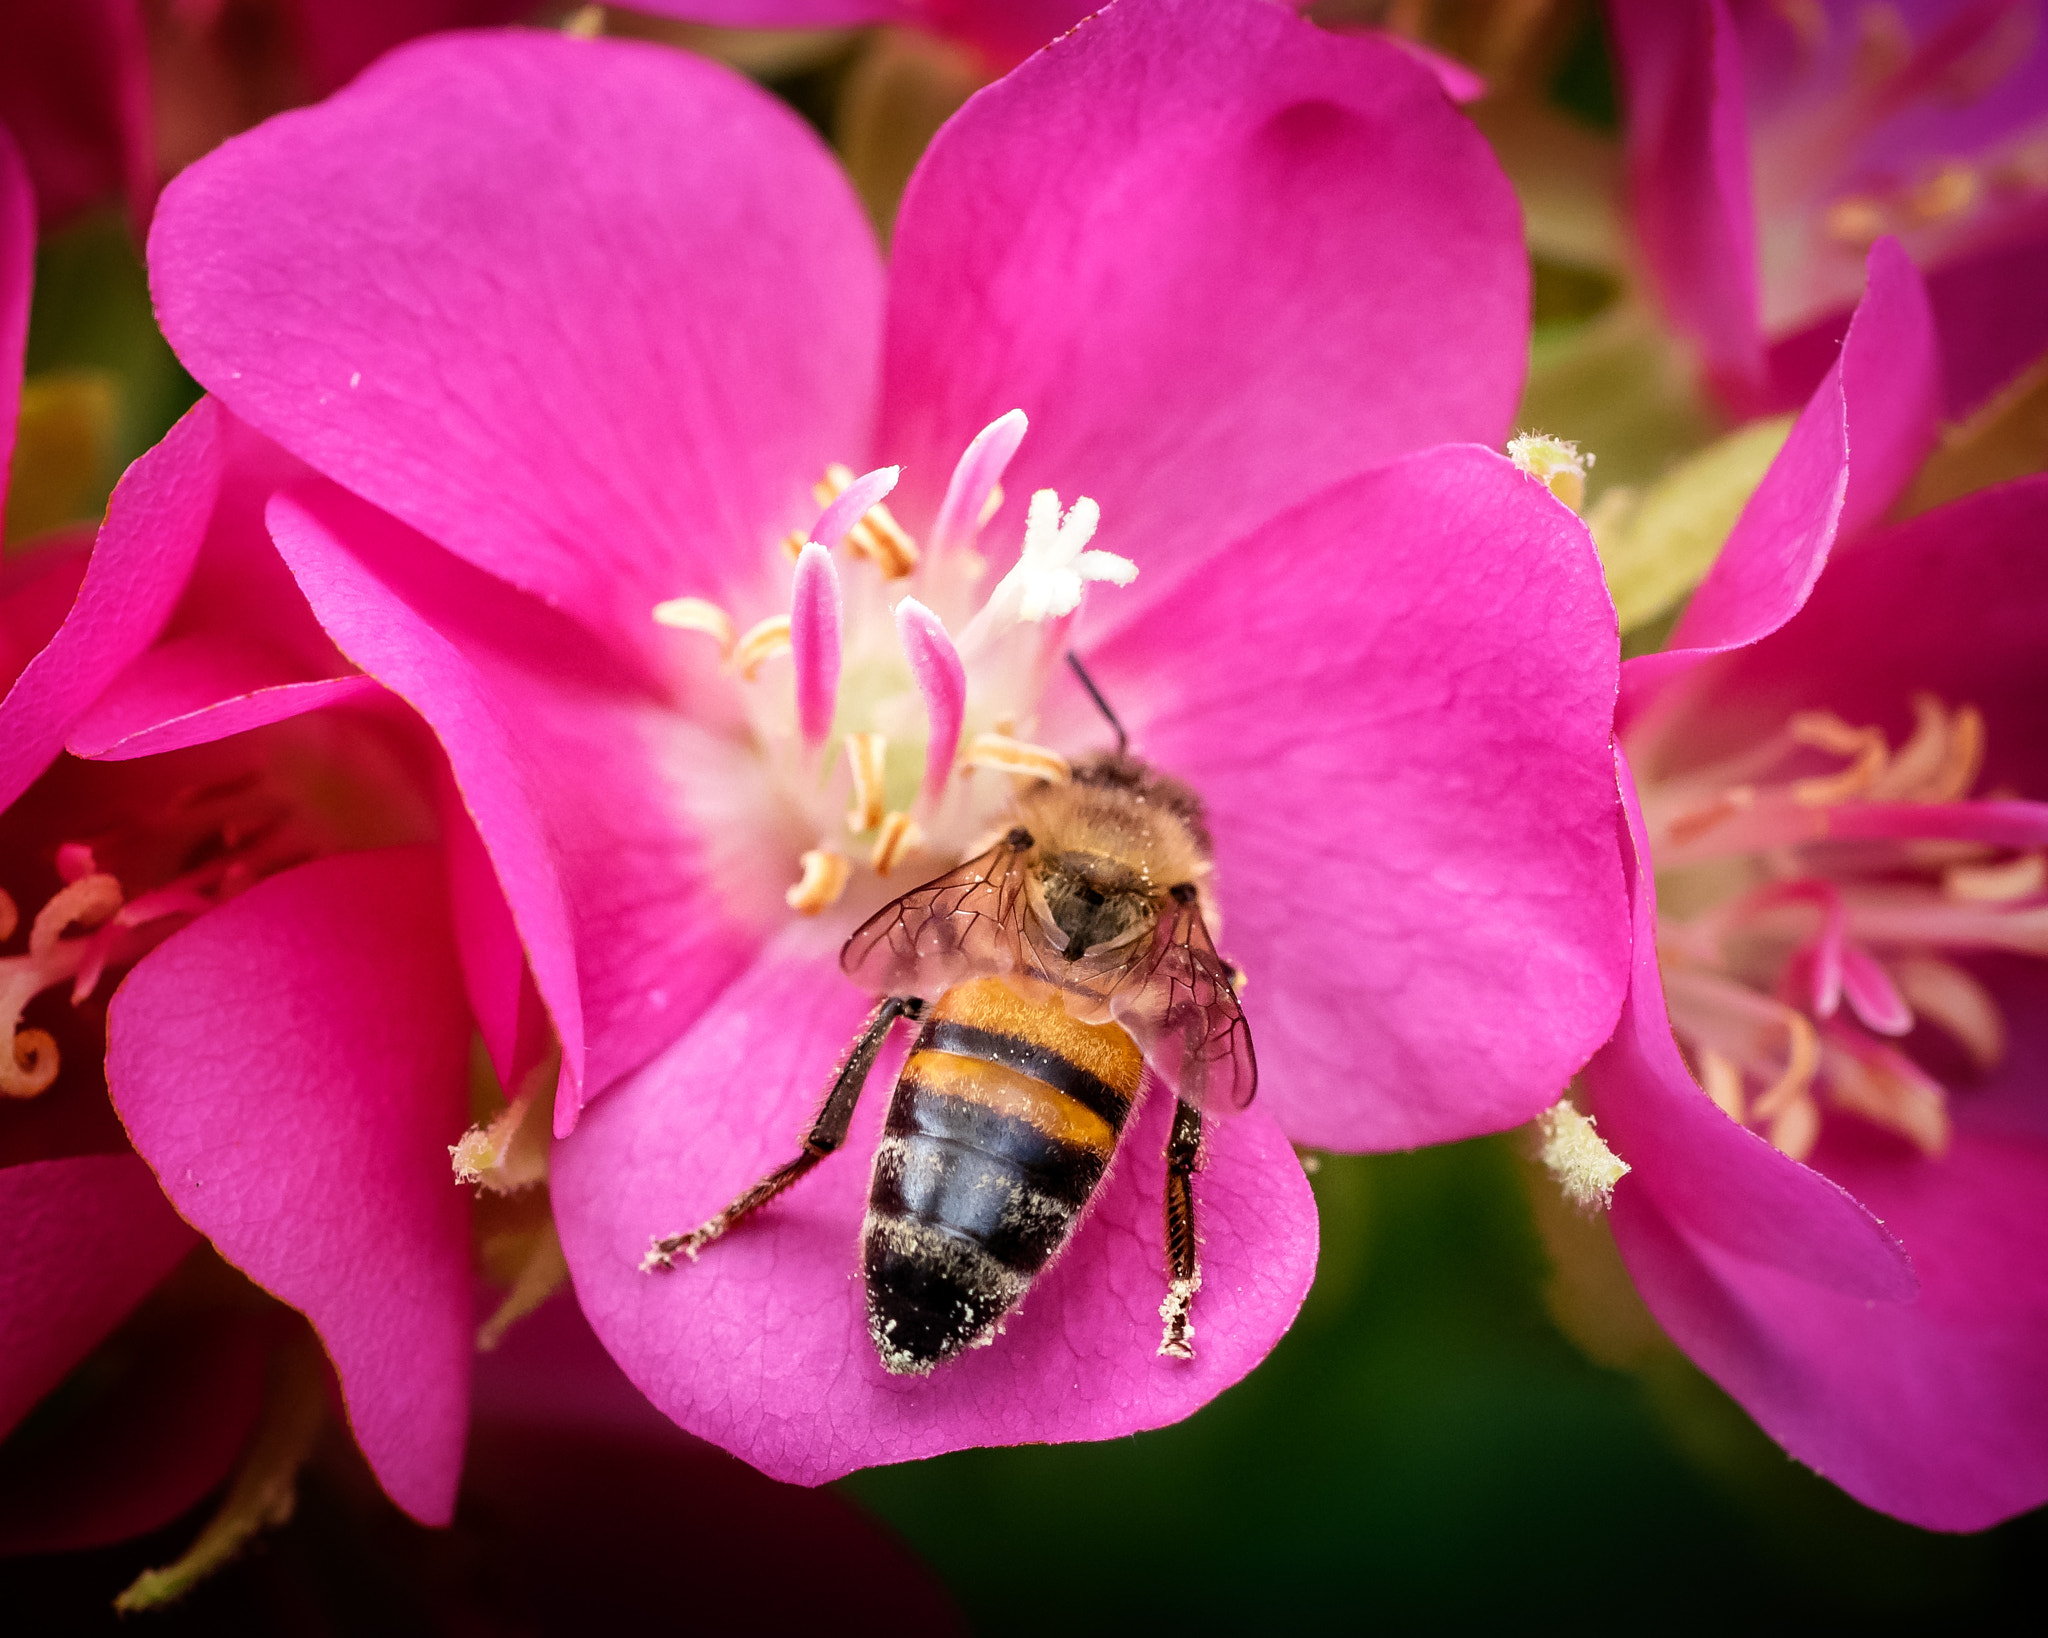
{"points": [[1723, 1082], [1575, 1155], [1913, 1108], [1553, 462], [84, 903], [864, 754], [584, 23], [1802, 1063], [10, 917], [1964, 758], [695, 614], [1857, 222], [1950, 192], [899, 835], [1691, 825], [1796, 1127], [1944, 993], [2019, 878], [1825, 731], [991, 506], [1018, 756], [824, 879], [793, 544], [761, 642]]}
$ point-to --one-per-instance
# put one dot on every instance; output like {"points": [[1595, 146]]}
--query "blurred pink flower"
{"points": [[106, 97], [1839, 869], [295, 1050], [1004, 32], [592, 316], [1770, 144]]}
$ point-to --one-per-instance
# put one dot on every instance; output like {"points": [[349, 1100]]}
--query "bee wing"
{"points": [[1178, 1003], [964, 924]]}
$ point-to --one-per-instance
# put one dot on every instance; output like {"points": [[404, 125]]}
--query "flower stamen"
{"points": [[762, 642], [874, 533], [1019, 757], [899, 835], [824, 878], [696, 614], [864, 762]]}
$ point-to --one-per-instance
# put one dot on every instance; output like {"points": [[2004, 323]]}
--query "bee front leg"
{"points": [[827, 1132], [1183, 1259]]}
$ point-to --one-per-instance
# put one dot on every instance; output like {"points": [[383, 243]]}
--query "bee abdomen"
{"points": [[983, 1172]]}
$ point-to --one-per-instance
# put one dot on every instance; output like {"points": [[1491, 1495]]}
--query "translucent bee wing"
{"points": [[1179, 1006], [965, 924]]}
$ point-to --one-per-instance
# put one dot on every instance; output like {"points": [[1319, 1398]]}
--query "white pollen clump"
{"points": [[1555, 463], [1573, 1153], [1054, 568]]}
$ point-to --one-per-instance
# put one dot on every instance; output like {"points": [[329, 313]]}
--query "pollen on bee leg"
{"points": [[697, 614], [823, 880], [1176, 1314], [1018, 756], [864, 754], [763, 641], [1576, 1158], [898, 836], [1555, 463]]}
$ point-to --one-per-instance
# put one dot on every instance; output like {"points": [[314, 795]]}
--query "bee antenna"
{"points": [[1123, 739]]}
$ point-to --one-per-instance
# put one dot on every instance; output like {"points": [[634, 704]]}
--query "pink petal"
{"points": [[293, 1066], [145, 550], [37, 590], [762, 1347], [17, 279], [1712, 1180], [1992, 319], [1960, 596], [1852, 452], [1287, 260], [147, 1445], [1935, 1411], [1004, 30], [1396, 702], [590, 313], [85, 1241], [1688, 175], [502, 995], [570, 775], [197, 689], [74, 89]]}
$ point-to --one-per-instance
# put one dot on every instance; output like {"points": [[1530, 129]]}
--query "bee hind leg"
{"points": [[1183, 1256], [827, 1133]]}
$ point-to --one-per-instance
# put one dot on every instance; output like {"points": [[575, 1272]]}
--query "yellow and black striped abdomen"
{"points": [[1002, 1124]]}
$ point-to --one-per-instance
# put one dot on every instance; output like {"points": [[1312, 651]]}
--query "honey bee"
{"points": [[1047, 974]]}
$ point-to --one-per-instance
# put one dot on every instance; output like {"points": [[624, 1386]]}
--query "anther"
{"points": [[1555, 463], [1964, 759], [942, 682], [1825, 731], [823, 880], [1577, 1157], [873, 533], [1018, 756], [814, 635], [695, 614], [898, 836], [761, 642], [2019, 878], [864, 754], [1722, 1081]]}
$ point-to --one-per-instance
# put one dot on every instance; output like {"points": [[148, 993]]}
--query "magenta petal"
{"points": [[84, 1241], [145, 549], [1852, 452], [74, 89], [293, 1065], [17, 278], [1396, 703], [589, 313], [502, 995], [1287, 260], [1695, 1167], [762, 1346], [575, 781], [1688, 175], [1935, 1411], [196, 689]]}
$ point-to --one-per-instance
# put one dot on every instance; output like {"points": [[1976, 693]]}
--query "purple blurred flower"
{"points": [[1769, 145], [593, 316], [1838, 868]]}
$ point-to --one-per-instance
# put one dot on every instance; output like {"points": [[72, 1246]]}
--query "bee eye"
{"points": [[1182, 892], [1019, 838]]}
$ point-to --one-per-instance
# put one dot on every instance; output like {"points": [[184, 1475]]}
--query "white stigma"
{"points": [[1055, 567]]}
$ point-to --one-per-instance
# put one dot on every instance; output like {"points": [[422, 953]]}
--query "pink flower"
{"points": [[106, 97], [1004, 32], [1838, 869], [593, 317], [1769, 145], [295, 1051]]}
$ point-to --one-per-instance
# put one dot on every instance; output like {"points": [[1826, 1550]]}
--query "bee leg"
{"points": [[1183, 1259], [827, 1132]]}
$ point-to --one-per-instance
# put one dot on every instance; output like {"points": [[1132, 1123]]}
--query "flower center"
{"points": [[1815, 894], [219, 840], [887, 714]]}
